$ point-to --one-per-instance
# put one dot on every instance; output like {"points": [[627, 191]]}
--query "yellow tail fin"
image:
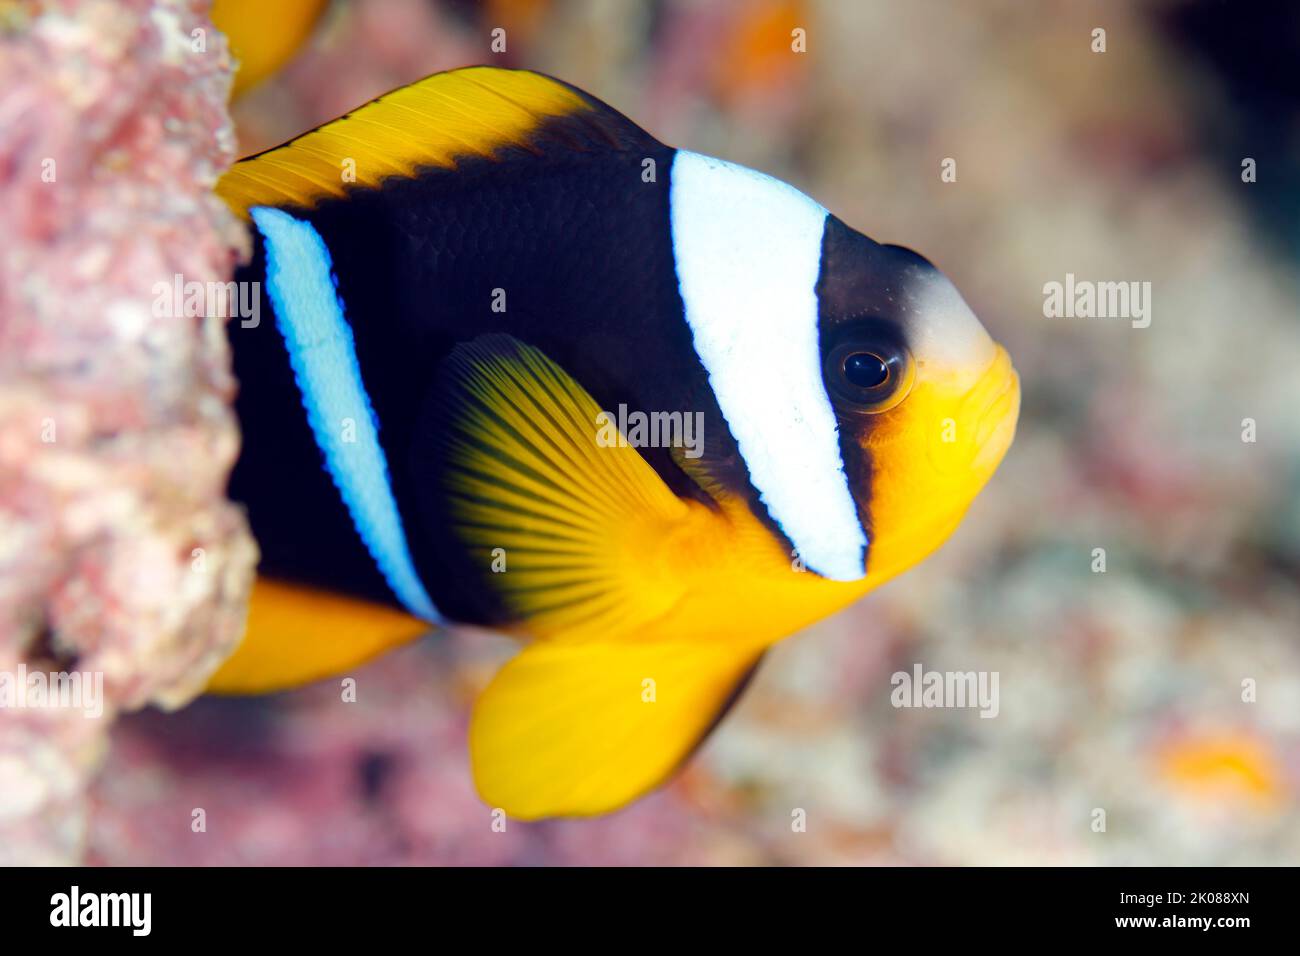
{"points": [[580, 729]]}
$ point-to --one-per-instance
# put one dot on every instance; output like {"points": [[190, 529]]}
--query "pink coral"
{"points": [[120, 558]]}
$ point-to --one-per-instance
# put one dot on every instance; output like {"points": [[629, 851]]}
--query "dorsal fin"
{"points": [[477, 111]]}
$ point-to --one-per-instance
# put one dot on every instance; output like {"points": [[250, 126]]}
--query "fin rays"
{"points": [[523, 471], [477, 111]]}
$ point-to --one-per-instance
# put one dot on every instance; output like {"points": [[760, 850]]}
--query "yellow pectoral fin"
{"points": [[592, 535], [577, 730], [297, 634]]}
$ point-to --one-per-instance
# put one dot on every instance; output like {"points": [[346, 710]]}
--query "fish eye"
{"points": [[868, 369]]}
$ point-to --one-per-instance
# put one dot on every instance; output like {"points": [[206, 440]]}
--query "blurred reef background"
{"points": [[1121, 691]]}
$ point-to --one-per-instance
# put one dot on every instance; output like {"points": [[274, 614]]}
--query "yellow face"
{"points": [[926, 401], [931, 454], [925, 405]]}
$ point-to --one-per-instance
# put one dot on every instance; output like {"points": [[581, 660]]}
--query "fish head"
{"points": [[926, 401]]}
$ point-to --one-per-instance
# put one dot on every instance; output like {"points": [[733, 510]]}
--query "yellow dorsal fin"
{"points": [[586, 527], [577, 730], [298, 634], [476, 111]]}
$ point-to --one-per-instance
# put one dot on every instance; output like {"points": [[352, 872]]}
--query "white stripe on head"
{"points": [[748, 253]]}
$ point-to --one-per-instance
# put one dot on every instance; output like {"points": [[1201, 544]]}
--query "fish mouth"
{"points": [[995, 423], [984, 417]]}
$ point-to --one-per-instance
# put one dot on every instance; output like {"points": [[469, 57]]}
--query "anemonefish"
{"points": [[264, 37], [469, 277]]}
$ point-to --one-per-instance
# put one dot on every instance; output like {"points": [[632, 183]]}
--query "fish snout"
{"points": [[977, 429], [995, 423]]}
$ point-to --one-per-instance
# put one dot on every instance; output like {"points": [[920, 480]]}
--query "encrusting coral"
{"points": [[123, 568]]}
